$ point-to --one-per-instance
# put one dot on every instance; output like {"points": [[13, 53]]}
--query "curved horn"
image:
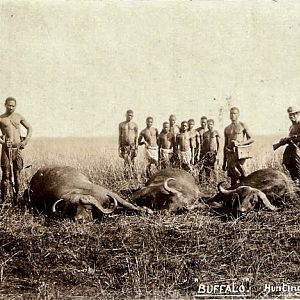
{"points": [[96, 203], [54, 205], [266, 201], [224, 191], [167, 188], [124, 202]]}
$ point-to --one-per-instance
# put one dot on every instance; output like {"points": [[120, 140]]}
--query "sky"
{"points": [[75, 67]]}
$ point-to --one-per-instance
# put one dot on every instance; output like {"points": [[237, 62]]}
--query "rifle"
{"points": [[285, 141]]}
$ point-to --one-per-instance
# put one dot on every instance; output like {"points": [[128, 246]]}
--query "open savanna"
{"points": [[125, 255]]}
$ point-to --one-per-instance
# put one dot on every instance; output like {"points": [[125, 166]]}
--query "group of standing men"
{"points": [[184, 146]]}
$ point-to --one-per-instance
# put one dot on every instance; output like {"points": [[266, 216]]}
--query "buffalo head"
{"points": [[244, 199], [169, 189], [264, 186]]}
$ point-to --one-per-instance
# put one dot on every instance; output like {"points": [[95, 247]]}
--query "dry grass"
{"points": [[130, 256]]}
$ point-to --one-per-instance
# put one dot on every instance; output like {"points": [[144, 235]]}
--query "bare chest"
{"points": [[235, 131], [127, 127]]}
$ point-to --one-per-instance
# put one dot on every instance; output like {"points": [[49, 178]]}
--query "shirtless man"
{"points": [[128, 135], [174, 128], [211, 145], [183, 142], [236, 134], [148, 137], [195, 141], [166, 144], [201, 130], [12, 144]]}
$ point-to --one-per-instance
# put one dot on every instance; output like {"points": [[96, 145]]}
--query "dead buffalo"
{"points": [[65, 189], [265, 186], [169, 189]]}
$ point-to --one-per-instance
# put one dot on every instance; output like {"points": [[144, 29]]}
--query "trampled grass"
{"points": [[141, 256]]}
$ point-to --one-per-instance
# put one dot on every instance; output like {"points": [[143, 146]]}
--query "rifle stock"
{"points": [[276, 146], [289, 140]]}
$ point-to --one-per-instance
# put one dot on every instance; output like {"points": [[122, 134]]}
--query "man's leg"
{"points": [[233, 181], [207, 172], [293, 173], [126, 163], [148, 170], [17, 168], [5, 185], [192, 156], [240, 167], [17, 194], [132, 156], [5, 181]]}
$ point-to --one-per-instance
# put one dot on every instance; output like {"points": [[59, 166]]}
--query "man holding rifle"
{"points": [[291, 155], [12, 144]]}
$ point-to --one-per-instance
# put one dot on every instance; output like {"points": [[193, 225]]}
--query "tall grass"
{"points": [[130, 256]]}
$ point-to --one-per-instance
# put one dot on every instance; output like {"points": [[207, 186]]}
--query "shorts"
{"points": [[17, 159], [151, 154], [128, 152]]}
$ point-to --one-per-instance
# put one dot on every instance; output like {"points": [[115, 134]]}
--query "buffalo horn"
{"points": [[126, 203], [169, 189], [54, 205], [97, 204], [224, 191], [266, 201]]}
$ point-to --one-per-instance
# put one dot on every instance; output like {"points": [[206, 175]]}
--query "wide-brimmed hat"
{"points": [[293, 110]]}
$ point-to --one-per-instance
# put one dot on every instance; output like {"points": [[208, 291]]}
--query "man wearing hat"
{"points": [[291, 155]]}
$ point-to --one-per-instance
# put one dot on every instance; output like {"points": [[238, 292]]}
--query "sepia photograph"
{"points": [[150, 149]]}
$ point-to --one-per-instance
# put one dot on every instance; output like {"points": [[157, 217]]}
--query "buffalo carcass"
{"points": [[169, 189], [265, 186], [65, 189]]}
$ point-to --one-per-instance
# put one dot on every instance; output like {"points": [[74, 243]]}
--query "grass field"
{"points": [[148, 256]]}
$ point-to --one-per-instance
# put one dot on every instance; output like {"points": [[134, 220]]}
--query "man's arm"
{"points": [[120, 140], [136, 136], [176, 142], [140, 143], [295, 136], [159, 147], [225, 150], [197, 137], [29, 131], [2, 139], [249, 140], [218, 141], [157, 135], [120, 135]]}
